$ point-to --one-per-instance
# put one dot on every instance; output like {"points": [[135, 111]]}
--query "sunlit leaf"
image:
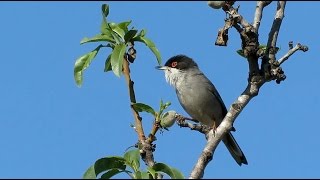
{"points": [[177, 173], [109, 174], [140, 107], [104, 164], [97, 38], [124, 25], [90, 173], [172, 172], [142, 175], [132, 158], [163, 106], [117, 58], [142, 33], [152, 172], [114, 34], [121, 29], [83, 63]]}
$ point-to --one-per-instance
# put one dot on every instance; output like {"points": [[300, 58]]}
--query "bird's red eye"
{"points": [[174, 64]]}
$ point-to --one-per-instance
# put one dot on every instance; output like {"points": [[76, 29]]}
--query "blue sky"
{"points": [[50, 128]]}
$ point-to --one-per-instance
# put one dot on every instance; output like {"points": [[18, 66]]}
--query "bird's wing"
{"points": [[215, 92]]}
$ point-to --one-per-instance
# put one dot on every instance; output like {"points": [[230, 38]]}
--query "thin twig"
{"points": [[156, 126], [292, 51]]}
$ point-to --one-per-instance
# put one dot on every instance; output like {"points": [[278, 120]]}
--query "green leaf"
{"points": [[117, 58], [90, 173], [114, 35], [114, 172], [142, 33], [97, 38], [177, 173], [104, 164], [105, 12], [137, 175], [240, 52], [151, 45], [133, 159], [83, 63], [142, 175], [120, 28], [124, 25], [107, 66], [261, 46], [129, 35], [163, 106], [105, 9], [110, 45], [145, 175], [152, 172], [172, 172], [140, 107], [110, 173]]}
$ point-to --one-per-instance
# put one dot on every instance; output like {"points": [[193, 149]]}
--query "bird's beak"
{"points": [[161, 67]]}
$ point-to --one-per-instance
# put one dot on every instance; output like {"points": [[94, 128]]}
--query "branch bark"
{"points": [[258, 14], [274, 32], [292, 51], [226, 125], [257, 76], [146, 150]]}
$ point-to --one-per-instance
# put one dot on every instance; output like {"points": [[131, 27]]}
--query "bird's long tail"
{"points": [[234, 149]]}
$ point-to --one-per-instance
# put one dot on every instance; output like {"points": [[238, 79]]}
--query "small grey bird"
{"points": [[199, 98]]}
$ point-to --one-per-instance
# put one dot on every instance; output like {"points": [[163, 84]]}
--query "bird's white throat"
{"points": [[172, 76]]}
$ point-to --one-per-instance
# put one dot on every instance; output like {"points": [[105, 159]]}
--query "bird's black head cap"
{"points": [[181, 62]]}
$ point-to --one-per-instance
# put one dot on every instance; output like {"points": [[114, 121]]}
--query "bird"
{"points": [[200, 98]]}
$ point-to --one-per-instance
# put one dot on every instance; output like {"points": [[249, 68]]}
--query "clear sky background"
{"points": [[50, 128]]}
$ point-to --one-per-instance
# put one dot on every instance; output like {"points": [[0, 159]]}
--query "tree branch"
{"points": [[146, 150], [273, 35], [269, 65], [292, 51], [250, 44], [214, 139], [257, 77], [152, 136], [258, 14], [197, 127]]}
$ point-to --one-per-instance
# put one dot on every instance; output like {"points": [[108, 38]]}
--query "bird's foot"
{"points": [[214, 128], [179, 118]]}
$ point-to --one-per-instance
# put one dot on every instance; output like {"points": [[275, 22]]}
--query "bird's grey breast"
{"points": [[194, 92]]}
